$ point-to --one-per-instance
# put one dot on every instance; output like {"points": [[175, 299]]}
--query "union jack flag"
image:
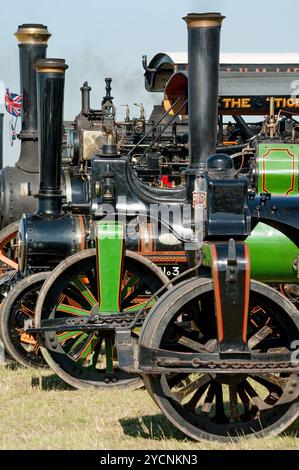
{"points": [[13, 103]]}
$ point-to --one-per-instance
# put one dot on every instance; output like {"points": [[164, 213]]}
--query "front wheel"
{"points": [[216, 406], [89, 359]]}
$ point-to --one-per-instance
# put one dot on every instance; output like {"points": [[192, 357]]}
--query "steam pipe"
{"points": [[1, 141], [33, 39], [203, 72], [50, 94]]}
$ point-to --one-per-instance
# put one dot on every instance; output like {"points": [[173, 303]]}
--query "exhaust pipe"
{"points": [[33, 40], [85, 90], [50, 94], [203, 83]]}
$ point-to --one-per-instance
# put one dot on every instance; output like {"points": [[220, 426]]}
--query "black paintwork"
{"points": [[203, 91], [50, 93]]}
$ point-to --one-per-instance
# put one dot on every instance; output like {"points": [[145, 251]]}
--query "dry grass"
{"points": [[39, 412]]}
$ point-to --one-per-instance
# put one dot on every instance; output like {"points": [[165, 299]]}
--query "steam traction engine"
{"points": [[216, 351], [40, 240]]}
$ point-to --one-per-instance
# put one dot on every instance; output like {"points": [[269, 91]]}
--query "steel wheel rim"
{"points": [[208, 395]]}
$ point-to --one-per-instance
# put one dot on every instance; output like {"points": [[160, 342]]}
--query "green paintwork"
{"points": [[72, 310], [278, 167], [136, 308], [77, 345], [68, 335], [110, 253], [85, 292], [88, 349], [206, 255], [109, 354], [272, 255], [128, 286]]}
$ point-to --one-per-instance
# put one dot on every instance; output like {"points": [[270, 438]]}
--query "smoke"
{"points": [[127, 82], [199, 6]]}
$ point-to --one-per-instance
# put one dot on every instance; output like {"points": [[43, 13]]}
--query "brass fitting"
{"points": [[32, 34]]}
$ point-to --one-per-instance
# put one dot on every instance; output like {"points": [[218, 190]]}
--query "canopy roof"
{"points": [[283, 68]]}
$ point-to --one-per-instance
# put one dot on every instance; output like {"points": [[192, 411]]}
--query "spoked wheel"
{"points": [[223, 406], [8, 247], [7, 281], [291, 291], [85, 359], [18, 306]]}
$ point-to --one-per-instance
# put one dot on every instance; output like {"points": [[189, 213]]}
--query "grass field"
{"points": [[39, 412]]}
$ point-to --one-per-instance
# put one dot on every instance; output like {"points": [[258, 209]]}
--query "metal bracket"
{"points": [[232, 263]]}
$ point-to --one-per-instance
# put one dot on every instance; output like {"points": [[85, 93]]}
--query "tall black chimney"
{"points": [[203, 82], [33, 39], [1, 141], [50, 94]]}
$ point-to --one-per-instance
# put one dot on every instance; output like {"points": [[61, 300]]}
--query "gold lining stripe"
{"points": [[193, 23], [204, 21], [50, 69], [33, 35]]}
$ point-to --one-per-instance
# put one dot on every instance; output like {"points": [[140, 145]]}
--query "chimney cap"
{"points": [[32, 33], [203, 20], [51, 65]]}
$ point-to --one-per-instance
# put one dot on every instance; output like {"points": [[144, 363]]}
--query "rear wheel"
{"points": [[8, 247], [85, 359], [223, 406], [18, 306]]}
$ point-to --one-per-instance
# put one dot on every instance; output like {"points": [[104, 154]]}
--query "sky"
{"points": [[100, 38]]}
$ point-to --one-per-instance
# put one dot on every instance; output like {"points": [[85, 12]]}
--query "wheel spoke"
{"points": [[175, 380], [233, 402], [72, 310], [97, 352], [191, 344], [220, 416], [256, 399], [109, 355], [128, 286], [64, 336], [139, 289], [191, 387], [71, 301], [75, 348], [208, 402], [87, 294], [136, 307], [192, 403], [250, 410], [26, 310], [270, 381], [259, 336], [88, 349], [273, 385]]}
